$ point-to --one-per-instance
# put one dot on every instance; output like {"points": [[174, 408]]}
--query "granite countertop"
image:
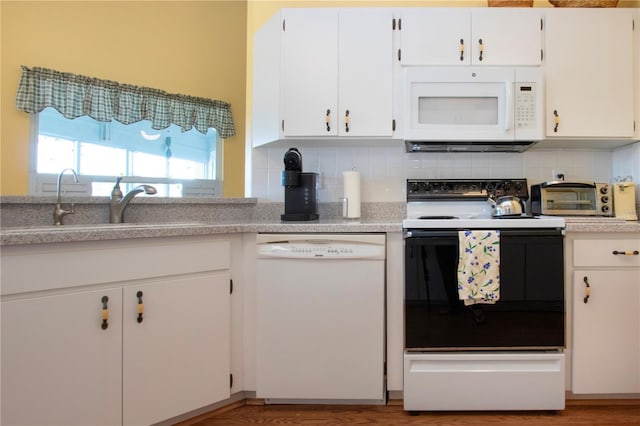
{"points": [[73, 233]]}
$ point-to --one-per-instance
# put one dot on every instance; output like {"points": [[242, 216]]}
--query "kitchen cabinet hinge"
{"points": [[541, 24], [283, 25], [399, 24], [634, 125], [230, 286], [393, 23], [230, 380], [399, 55], [633, 25], [541, 55], [393, 125], [282, 125]]}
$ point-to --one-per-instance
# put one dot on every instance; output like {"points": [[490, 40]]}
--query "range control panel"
{"points": [[465, 189]]}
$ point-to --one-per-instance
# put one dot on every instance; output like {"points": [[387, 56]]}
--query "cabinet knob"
{"points": [[346, 121], [140, 306], [105, 312], [461, 49], [481, 45], [556, 120], [327, 120], [587, 290]]}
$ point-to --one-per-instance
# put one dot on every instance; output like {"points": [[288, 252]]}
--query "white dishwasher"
{"points": [[320, 318]]}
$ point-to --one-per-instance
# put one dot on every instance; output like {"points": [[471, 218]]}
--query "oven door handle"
{"points": [[514, 232]]}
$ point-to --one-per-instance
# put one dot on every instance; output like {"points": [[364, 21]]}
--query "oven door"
{"points": [[529, 315]]}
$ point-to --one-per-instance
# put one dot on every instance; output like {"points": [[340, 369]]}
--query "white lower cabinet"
{"points": [[58, 365], [606, 332], [606, 316], [177, 359], [129, 352]]}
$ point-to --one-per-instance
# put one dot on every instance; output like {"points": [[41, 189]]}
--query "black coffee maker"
{"points": [[300, 190]]}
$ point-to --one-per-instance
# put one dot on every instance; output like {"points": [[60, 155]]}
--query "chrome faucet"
{"points": [[58, 211], [118, 203]]}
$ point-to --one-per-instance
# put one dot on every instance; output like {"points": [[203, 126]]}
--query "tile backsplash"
{"points": [[385, 169]]}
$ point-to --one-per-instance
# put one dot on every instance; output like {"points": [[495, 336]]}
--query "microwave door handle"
{"points": [[509, 109]]}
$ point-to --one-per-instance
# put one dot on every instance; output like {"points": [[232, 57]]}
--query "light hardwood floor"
{"points": [[578, 412]]}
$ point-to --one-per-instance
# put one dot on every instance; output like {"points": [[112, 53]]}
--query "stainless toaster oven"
{"points": [[576, 198]]}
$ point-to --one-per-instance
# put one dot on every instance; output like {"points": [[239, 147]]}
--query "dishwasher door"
{"points": [[320, 318]]}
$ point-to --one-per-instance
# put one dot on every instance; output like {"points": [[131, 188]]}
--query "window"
{"points": [[101, 148], [169, 159]]}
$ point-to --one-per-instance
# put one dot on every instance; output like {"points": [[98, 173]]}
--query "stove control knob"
{"points": [[413, 187], [517, 186], [506, 186], [489, 187], [444, 187]]}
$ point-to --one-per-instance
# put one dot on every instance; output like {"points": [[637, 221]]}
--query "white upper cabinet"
{"points": [[323, 72], [483, 36], [365, 77], [310, 72], [589, 66]]}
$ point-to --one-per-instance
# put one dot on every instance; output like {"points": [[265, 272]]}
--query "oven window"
{"points": [[571, 199], [458, 110], [529, 314]]}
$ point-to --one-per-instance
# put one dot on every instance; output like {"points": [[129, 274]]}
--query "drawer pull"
{"points": [[626, 253], [105, 312], [462, 49], [587, 290], [140, 306]]}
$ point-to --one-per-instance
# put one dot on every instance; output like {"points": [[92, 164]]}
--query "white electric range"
{"points": [[507, 354]]}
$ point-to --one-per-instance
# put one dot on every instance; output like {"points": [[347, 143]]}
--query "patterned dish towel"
{"points": [[479, 266]]}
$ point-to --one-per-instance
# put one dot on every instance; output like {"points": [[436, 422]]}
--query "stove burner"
{"points": [[437, 217]]}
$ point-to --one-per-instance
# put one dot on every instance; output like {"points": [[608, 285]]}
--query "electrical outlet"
{"points": [[557, 174]]}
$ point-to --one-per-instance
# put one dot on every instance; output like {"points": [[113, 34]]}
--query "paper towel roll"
{"points": [[351, 193]]}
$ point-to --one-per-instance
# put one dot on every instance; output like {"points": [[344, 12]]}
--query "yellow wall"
{"points": [[191, 47]]}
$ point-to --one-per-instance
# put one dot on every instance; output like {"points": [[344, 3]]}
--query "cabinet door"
{"points": [[310, 72], [59, 366], [435, 37], [606, 332], [589, 72], [365, 75], [177, 359], [506, 37]]}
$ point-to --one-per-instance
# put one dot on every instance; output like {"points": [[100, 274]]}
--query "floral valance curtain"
{"points": [[103, 100]]}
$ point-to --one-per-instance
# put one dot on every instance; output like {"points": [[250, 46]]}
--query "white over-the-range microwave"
{"points": [[472, 108]]}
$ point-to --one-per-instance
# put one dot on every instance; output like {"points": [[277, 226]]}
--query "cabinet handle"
{"points": [[556, 120], [346, 121], [327, 119], [481, 48], [105, 312], [461, 49], [626, 253], [587, 290], [140, 306]]}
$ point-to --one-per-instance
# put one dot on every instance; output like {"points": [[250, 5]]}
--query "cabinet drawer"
{"points": [[614, 253]]}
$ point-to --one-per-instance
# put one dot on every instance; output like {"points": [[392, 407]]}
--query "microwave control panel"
{"points": [[526, 108]]}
